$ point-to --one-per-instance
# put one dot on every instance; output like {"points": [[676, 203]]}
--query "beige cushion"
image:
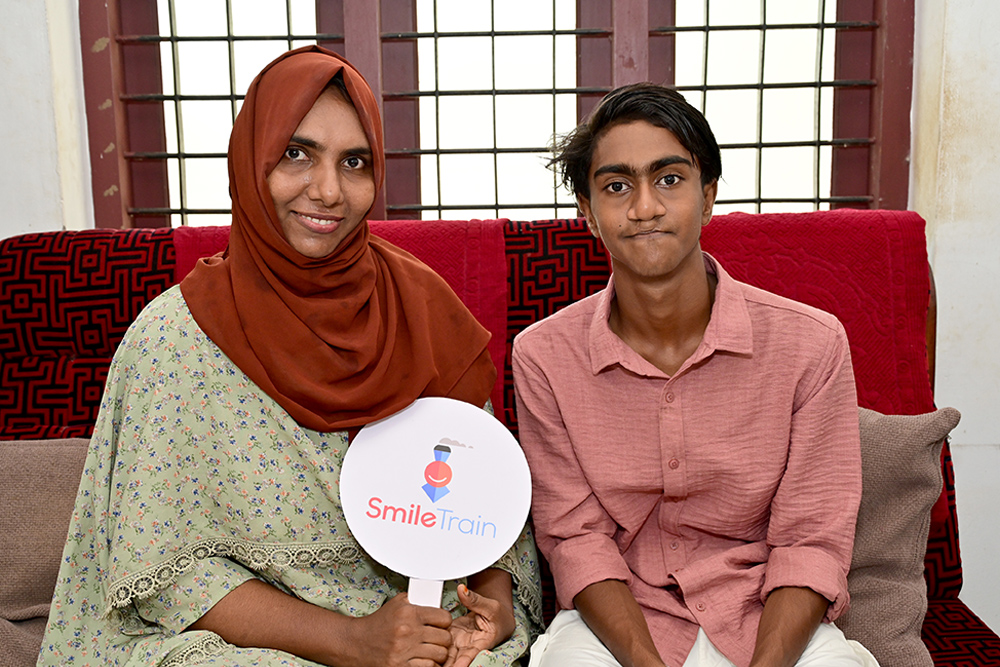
{"points": [[38, 483], [901, 472]]}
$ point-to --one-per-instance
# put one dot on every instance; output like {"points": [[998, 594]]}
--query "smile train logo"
{"points": [[438, 474]]}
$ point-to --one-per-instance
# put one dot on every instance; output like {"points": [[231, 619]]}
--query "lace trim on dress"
{"points": [[198, 650], [527, 590], [254, 555]]}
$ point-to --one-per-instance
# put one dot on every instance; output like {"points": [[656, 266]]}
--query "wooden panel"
{"points": [[102, 78]]}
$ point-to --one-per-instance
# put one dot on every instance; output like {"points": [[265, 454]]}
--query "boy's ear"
{"points": [[710, 191], [583, 203]]}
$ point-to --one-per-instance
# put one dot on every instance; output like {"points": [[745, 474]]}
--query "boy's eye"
{"points": [[671, 179], [616, 186]]}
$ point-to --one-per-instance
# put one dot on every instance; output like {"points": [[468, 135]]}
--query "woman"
{"points": [[208, 528]]}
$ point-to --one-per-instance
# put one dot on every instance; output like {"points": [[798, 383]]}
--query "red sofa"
{"points": [[66, 299]]}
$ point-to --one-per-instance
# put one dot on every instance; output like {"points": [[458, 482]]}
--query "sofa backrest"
{"points": [[66, 299]]}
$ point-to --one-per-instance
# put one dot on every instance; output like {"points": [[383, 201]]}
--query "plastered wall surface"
{"points": [[954, 185], [29, 177], [44, 178]]}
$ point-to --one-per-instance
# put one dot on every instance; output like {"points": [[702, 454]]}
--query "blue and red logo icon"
{"points": [[438, 474]]}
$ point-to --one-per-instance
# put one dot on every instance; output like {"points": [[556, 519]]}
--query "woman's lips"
{"points": [[322, 224]]}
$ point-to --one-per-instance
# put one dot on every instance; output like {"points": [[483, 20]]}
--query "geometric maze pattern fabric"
{"points": [[550, 264], [943, 562], [66, 300], [956, 637]]}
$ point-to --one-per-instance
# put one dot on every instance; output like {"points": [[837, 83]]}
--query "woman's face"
{"points": [[324, 183]]}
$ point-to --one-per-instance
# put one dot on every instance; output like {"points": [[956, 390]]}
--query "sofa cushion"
{"points": [[901, 473], [38, 484]]}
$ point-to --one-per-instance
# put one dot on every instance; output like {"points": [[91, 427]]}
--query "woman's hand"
{"points": [[400, 633], [488, 623]]}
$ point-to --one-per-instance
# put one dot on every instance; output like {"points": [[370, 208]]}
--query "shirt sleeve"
{"points": [[191, 595], [815, 508], [572, 529]]}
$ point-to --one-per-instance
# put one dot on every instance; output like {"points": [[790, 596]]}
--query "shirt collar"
{"points": [[729, 327]]}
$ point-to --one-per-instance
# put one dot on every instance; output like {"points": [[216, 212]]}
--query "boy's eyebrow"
{"points": [[628, 170]]}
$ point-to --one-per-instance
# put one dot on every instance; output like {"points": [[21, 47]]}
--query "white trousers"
{"points": [[569, 642]]}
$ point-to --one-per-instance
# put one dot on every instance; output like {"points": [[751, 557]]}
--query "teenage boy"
{"points": [[693, 440]]}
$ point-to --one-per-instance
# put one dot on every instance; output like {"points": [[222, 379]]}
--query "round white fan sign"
{"points": [[438, 491]]}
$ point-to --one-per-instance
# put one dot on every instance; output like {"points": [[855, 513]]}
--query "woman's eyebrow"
{"points": [[305, 141], [629, 170]]}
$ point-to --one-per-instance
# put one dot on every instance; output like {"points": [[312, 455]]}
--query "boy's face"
{"points": [[647, 203]]}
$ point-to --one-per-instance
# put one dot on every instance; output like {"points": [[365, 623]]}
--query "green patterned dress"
{"points": [[196, 481]]}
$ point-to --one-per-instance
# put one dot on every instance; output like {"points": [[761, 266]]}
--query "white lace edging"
{"points": [[254, 555], [527, 593], [198, 650]]}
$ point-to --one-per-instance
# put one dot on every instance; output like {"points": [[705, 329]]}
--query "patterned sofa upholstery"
{"points": [[66, 299]]}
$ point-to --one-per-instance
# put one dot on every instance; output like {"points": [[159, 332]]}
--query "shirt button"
{"points": [[674, 464], [674, 545], [670, 398], [700, 606]]}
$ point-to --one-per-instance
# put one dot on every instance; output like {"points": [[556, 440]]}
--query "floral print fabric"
{"points": [[197, 481]]}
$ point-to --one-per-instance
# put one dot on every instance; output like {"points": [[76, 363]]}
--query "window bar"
{"points": [[818, 103], [758, 169], [589, 32], [555, 180], [231, 51], [841, 83], [437, 112], [318, 36], [493, 84], [181, 166], [704, 61], [738, 200], [839, 25]]}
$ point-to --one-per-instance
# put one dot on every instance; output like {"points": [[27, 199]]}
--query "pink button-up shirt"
{"points": [[704, 491]]}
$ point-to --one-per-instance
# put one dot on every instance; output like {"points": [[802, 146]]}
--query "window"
{"points": [[808, 108]]}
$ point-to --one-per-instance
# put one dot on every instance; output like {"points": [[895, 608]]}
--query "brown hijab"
{"points": [[342, 340]]}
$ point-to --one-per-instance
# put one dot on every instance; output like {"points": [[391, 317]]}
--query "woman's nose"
{"points": [[325, 185]]}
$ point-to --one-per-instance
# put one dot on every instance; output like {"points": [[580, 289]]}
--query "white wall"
{"points": [[45, 185], [956, 188], [45, 178]]}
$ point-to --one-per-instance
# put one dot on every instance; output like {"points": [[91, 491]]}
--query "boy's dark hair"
{"points": [[658, 105]]}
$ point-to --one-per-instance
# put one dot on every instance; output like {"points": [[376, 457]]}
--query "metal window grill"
{"points": [[781, 160], [742, 63], [486, 123]]}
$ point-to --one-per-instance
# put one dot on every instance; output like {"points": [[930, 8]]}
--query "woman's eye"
{"points": [[293, 153], [354, 162]]}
